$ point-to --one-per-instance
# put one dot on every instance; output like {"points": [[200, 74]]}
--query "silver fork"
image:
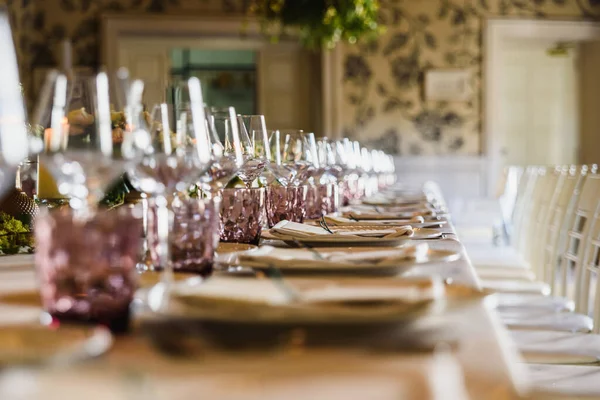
{"points": [[310, 248]]}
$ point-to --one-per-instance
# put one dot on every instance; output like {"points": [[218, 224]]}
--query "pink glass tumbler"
{"points": [[193, 237], [87, 269], [285, 203], [242, 214], [322, 199]]}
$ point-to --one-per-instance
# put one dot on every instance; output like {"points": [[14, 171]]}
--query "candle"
{"points": [[46, 185]]}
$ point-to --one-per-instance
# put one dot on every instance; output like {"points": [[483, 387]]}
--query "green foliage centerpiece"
{"points": [[320, 23]]}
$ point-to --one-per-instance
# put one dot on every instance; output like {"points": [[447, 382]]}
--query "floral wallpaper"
{"points": [[51, 21], [383, 79], [21, 14], [382, 84]]}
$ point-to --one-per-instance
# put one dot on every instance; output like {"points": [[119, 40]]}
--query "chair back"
{"points": [[566, 191], [577, 232]]}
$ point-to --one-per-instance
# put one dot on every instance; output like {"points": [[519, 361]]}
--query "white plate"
{"points": [[344, 240], [297, 265], [221, 314]]}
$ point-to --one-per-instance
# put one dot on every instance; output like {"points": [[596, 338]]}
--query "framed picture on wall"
{"points": [[448, 85]]}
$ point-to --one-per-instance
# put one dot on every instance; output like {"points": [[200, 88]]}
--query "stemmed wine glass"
{"points": [[253, 133], [79, 148], [300, 155], [226, 146], [277, 168], [176, 156], [14, 144]]}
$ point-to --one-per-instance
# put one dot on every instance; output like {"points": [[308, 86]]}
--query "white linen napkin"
{"points": [[302, 231], [362, 215], [343, 221], [266, 255]]}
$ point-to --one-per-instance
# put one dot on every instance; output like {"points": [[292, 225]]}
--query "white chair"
{"points": [[571, 266], [551, 348], [544, 194], [492, 258]]}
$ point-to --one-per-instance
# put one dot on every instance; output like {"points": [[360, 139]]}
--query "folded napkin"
{"points": [[392, 199], [280, 257], [343, 221], [362, 215], [303, 231]]}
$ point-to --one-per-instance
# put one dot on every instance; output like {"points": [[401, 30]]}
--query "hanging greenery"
{"points": [[319, 23]]}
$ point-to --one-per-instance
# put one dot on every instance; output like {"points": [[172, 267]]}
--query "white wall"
{"points": [[460, 178]]}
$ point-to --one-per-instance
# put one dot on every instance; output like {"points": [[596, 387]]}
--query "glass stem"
{"points": [[164, 220]]}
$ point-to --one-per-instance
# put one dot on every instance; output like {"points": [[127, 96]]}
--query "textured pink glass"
{"points": [[322, 200], [242, 215], [299, 211], [285, 203], [194, 236], [87, 269]]}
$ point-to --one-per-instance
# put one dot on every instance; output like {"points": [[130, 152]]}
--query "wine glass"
{"points": [[226, 147], [330, 171], [176, 156], [278, 170], [253, 132], [85, 150], [14, 145], [300, 155]]}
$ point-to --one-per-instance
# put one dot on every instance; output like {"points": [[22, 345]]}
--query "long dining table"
{"points": [[134, 368]]}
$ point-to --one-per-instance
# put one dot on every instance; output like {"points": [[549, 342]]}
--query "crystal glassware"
{"points": [[226, 146], [14, 138], [176, 156], [300, 155], [285, 203], [87, 146], [253, 132], [194, 236], [242, 214], [87, 268], [322, 199]]}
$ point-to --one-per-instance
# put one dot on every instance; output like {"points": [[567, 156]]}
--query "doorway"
{"points": [[541, 94], [290, 85]]}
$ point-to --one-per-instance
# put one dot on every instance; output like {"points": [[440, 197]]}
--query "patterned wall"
{"points": [[21, 14], [383, 80]]}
